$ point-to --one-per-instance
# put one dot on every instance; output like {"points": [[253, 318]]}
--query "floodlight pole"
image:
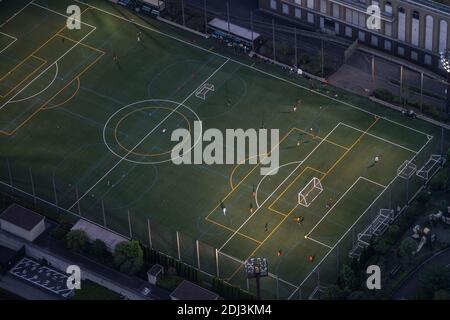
{"points": [[421, 92], [273, 40], [258, 287], [206, 16], [182, 12], [447, 103], [251, 28], [295, 47], [228, 17]]}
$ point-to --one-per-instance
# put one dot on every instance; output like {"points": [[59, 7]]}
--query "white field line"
{"points": [[63, 15], [15, 14], [379, 138], [264, 177], [9, 44], [270, 274], [146, 136], [332, 207], [60, 208], [351, 227], [38, 93], [374, 182], [46, 69], [248, 66], [276, 189]]}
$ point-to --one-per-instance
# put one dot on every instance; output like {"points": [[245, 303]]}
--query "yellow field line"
{"points": [[277, 212], [268, 236], [82, 44], [42, 107], [243, 179], [284, 219], [44, 62], [351, 147], [232, 230], [326, 140], [289, 186], [238, 165], [69, 98]]}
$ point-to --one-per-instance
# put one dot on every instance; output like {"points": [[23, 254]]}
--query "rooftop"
{"points": [[21, 217], [190, 291]]}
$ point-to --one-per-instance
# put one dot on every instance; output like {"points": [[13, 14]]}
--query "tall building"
{"points": [[416, 30]]}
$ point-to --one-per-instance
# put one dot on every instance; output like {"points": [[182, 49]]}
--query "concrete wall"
{"points": [[25, 234]]}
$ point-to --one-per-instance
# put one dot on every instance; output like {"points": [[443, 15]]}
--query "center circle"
{"points": [[122, 116], [130, 114]]}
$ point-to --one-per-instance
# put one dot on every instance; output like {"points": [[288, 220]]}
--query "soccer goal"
{"points": [[430, 168], [310, 192], [204, 89], [406, 170]]}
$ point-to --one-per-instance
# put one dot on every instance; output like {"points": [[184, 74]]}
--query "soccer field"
{"points": [[85, 123]]}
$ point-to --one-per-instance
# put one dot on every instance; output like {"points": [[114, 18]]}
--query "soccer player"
{"points": [[224, 209], [251, 207], [311, 258], [266, 227], [299, 220], [115, 57], [329, 203], [139, 38], [254, 192], [279, 253]]}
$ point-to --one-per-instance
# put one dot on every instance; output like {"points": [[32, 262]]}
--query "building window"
{"points": [[362, 36], [388, 29], [298, 13], [429, 26], [362, 20], [336, 10], [299, 2], [443, 35], [427, 59], [310, 4], [285, 8], [273, 4], [401, 24], [387, 45], [323, 6], [348, 31], [401, 51], [414, 55], [310, 17], [374, 41], [388, 8]]}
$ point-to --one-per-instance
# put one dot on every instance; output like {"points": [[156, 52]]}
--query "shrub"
{"points": [[98, 249], [76, 240], [384, 94], [128, 257]]}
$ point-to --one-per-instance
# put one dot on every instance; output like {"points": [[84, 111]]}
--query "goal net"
{"points": [[310, 192]]}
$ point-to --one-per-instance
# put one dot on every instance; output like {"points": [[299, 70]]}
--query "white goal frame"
{"points": [[406, 170], [203, 90], [305, 198]]}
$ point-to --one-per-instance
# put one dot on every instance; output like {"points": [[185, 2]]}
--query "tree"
{"points": [[407, 247], [435, 279], [129, 257], [381, 246], [98, 249], [76, 240], [347, 277], [333, 293]]}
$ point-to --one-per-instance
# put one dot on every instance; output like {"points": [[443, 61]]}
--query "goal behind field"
{"points": [[310, 192]]}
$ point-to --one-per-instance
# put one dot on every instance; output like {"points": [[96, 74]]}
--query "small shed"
{"points": [[22, 222]]}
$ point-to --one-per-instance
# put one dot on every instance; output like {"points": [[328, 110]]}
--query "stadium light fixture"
{"points": [[445, 62]]}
